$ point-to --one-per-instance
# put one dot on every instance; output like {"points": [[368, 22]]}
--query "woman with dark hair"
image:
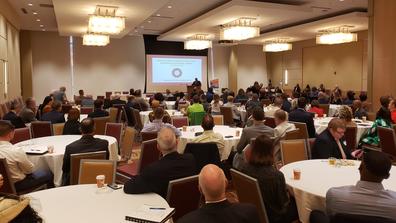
{"points": [[280, 208], [241, 96], [46, 105], [72, 125], [383, 120], [316, 109]]}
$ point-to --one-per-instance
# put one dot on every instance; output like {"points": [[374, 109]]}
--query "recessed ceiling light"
{"points": [[35, 13], [43, 30], [149, 21], [141, 26], [30, 4], [136, 31], [169, 6], [158, 14], [38, 20], [41, 25]]}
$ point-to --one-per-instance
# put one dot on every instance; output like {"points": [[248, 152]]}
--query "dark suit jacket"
{"points": [[117, 102], [156, 176], [14, 119], [325, 147], [86, 144], [300, 115], [223, 212], [98, 113], [54, 117], [72, 127], [252, 132]]}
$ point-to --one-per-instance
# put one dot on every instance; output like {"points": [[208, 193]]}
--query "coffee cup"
{"points": [[324, 115], [50, 149], [184, 128], [297, 174], [237, 133], [100, 181], [364, 118]]}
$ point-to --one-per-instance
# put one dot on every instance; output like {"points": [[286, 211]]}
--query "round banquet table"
{"points": [[333, 109], [170, 105], [362, 127], [83, 203], [144, 115], [317, 176], [224, 130], [54, 161]]}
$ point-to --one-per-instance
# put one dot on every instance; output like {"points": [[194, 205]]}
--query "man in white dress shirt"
{"points": [[271, 109], [282, 126]]}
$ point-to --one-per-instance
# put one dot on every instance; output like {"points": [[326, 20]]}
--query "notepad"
{"points": [[150, 214], [35, 149]]}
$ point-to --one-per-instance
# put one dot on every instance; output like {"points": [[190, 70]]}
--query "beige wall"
{"points": [[221, 55], [9, 13], [344, 64]]}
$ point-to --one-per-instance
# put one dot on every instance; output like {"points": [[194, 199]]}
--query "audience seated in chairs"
{"points": [[383, 119], [13, 117], [46, 105], [316, 109], [368, 197], [158, 123], [212, 184], [215, 105], [87, 143], [195, 107], [117, 101], [21, 169], [56, 115], [329, 143], [282, 127], [236, 114], [345, 114], [358, 110], [300, 115], [272, 108], [209, 136], [28, 113], [260, 165], [72, 125], [98, 112], [138, 102], [156, 176]]}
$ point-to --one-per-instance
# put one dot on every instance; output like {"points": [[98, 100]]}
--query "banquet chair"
{"points": [[114, 130], [41, 129], [310, 144], [138, 120], [90, 168], [350, 138], [66, 108], [350, 218], [302, 128], [75, 163], [293, 134], [100, 125], [101, 97], [176, 196], [108, 94], [371, 116], [87, 102], [8, 186], [218, 119], [204, 153], [227, 115], [21, 134], [113, 112], [58, 128], [325, 108], [125, 92], [270, 122], [86, 110], [196, 117], [148, 135], [127, 142], [387, 140], [293, 150], [248, 191], [179, 122]]}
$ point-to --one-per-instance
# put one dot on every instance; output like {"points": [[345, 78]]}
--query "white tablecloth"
{"points": [[54, 161], [242, 111], [82, 204], [224, 130], [82, 116], [333, 109], [170, 105], [322, 123], [317, 176], [144, 115]]}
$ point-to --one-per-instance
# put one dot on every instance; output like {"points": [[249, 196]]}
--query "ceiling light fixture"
{"points": [[38, 20], [336, 35], [277, 45], [105, 21], [30, 4], [35, 13], [169, 6], [197, 42], [158, 14], [92, 39], [41, 25], [239, 29]]}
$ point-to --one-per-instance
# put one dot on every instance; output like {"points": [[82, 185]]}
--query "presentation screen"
{"points": [[175, 72]]}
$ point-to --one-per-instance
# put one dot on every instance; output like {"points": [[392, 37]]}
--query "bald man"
{"points": [[156, 176], [212, 184]]}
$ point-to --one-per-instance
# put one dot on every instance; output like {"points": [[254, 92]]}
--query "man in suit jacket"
{"points": [[156, 176], [330, 144], [98, 112], [13, 117], [56, 115], [300, 115], [86, 144], [28, 113], [117, 100], [212, 184], [258, 128]]}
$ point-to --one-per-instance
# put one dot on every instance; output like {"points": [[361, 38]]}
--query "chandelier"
{"points": [[105, 21], [239, 29], [197, 42], [92, 39], [277, 45], [336, 35]]}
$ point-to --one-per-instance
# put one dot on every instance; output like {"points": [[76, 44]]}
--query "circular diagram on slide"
{"points": [[177, 72]]}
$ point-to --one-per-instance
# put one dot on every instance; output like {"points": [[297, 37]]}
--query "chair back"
{"points": [[293, 150], [66, 108], [176, 196], [8, 186], [108, 94], [41, 129], [127, 142], [248, 191], [148, 135], [100, 125], [302, 128], [270, 122], [204, 153], [350, 137], [113, 114], [115, 130], [311, 142], [21, 134], [86, 110], [293, 134], [349, 218], [371, 116], [218, 119], [179, 122], [125, 92], [227, 115], [101, 97], [138, 120], [58, 128], [148, 155], [87, 102], [75, 163], [90, 168], [325, 108], [196, 118], [387, 140]]}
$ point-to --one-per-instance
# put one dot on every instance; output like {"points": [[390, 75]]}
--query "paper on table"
{"points": [[146, 213]]}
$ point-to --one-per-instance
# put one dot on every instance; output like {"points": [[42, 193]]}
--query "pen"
{"points": [[157, 208]]}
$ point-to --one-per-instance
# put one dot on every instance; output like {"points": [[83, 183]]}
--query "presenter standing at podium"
{"points": [[196, 83]]}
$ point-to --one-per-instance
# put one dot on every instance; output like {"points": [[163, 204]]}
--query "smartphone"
{"points": [[228, 136], [114, 186]]}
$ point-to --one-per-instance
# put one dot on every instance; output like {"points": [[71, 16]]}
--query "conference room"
{"points": [[270, 111]]}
